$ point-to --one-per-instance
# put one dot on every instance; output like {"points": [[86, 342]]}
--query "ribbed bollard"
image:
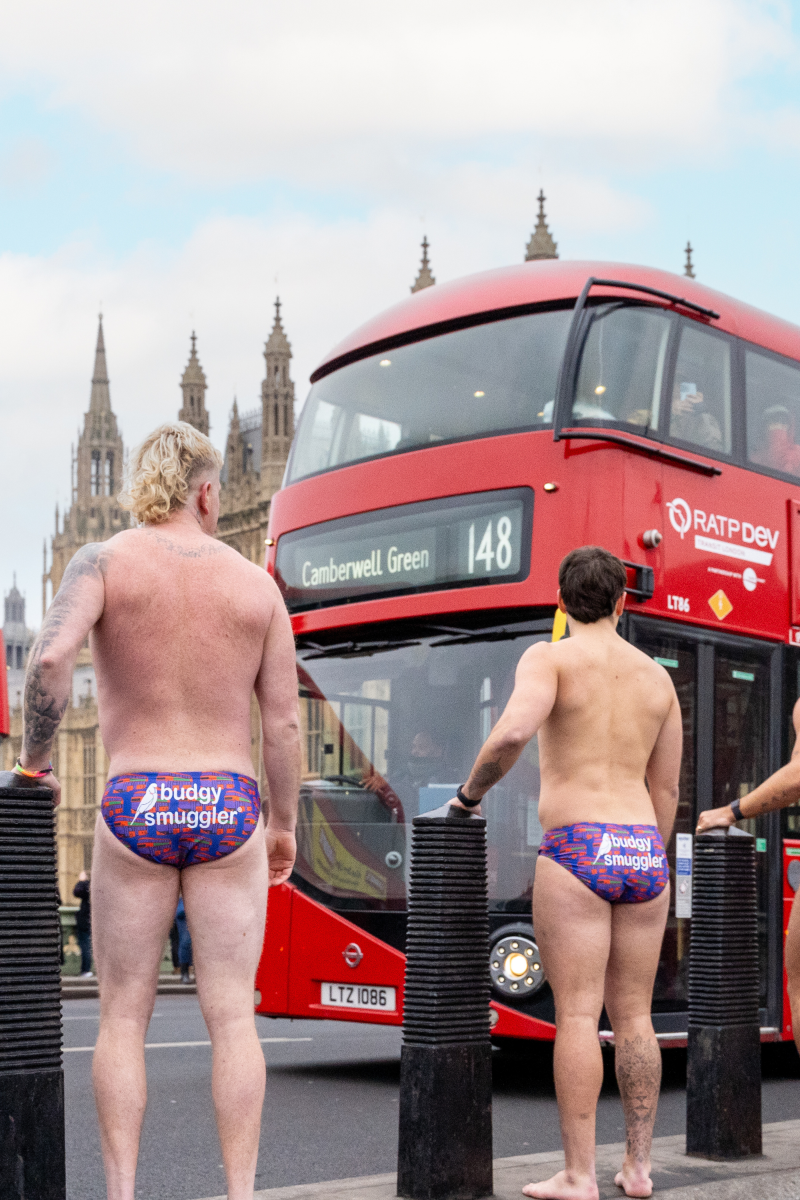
{"points": [[445, 1146], [723, 1074], [31, 1076]]}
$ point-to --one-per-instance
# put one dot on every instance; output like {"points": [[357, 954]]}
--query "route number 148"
{"points": [[490, 550]]}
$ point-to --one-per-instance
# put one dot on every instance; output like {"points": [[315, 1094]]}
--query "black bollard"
{"points": [[32, 1163], [445, 1146], [723, 1069]]}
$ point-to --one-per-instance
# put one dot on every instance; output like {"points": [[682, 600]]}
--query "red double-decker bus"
{"points": [[448, 455]]}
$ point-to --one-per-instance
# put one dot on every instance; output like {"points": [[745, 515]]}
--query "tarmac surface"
{"points": [[331, 1111]]}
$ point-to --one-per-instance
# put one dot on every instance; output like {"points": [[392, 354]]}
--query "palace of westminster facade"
{"points": [[256, 452]]}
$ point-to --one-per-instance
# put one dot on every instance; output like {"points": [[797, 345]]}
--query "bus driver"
{"points": [[182, 630], [608, 718]]}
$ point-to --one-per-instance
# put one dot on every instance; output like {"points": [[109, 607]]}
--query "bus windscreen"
{"points": [[389, 730], [489, 378]]}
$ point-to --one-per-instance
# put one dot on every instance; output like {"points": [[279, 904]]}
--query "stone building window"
{"points": [[9, 656], [89, 769], [277, 430], [95, 478], [109, 473], [19, 658]]}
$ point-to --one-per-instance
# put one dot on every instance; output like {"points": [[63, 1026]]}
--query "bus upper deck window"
{"points": [[495, 377], [700, 406], [773, 412], [622, 366]]}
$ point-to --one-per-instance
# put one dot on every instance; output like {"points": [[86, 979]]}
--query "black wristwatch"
{"points": [[736, 809], [465, 800]]}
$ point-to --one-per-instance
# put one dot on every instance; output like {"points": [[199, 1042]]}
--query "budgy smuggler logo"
{"points": [[611, 845], [191, 818], [754, 543]]}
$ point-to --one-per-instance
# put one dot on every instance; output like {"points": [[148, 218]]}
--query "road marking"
{"points": [[171, 1045]]}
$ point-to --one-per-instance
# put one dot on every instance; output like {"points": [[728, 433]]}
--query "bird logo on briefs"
{"points": [[147, 801], [605, 845]]}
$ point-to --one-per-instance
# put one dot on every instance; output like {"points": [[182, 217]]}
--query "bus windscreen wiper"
{"points": [[356, 649], [494, 635]]}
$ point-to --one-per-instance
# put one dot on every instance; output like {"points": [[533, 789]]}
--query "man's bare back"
{"points": [[611, 702], [178, 649]]}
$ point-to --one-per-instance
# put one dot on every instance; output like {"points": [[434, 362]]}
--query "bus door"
{"points": [[790, 817], [730, 697]]}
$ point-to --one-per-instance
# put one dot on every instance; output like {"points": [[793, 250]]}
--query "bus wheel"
{"points": [[515, 964]]}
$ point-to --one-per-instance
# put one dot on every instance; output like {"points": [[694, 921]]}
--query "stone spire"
{"points": [[541, 244], [193, 386], [234, 456], [425, 278], [94, 513], [689, 268], [277, 408], [100, 399]]}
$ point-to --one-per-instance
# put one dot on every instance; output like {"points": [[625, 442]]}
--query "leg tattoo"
{"points": [[638, 1063]]}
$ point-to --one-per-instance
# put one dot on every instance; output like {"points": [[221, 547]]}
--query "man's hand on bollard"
{"points": [[456, 803], [715, 818], [281, 852], [51, 782]]}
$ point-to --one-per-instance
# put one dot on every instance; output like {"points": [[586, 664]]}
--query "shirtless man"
{"points": [[182, 630], [608, 719], [779, 791]]}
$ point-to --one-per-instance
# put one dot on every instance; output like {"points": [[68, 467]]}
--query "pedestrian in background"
{"points": [[184, 942], [83, 924]]}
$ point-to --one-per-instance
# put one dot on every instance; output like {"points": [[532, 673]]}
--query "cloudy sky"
{"points": [[181, 163]]}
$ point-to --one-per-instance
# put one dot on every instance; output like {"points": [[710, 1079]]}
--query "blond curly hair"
{"points": [[162, 470]]}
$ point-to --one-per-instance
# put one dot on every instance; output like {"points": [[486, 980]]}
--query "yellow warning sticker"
{"points": [[720, 605]]}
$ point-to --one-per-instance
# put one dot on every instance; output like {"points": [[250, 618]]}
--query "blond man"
{"points": [[182, 631]]}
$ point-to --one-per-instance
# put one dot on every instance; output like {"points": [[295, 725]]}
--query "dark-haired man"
{"points": [[607, 718]]}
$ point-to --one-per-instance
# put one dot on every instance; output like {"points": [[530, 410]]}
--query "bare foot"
{"points": [[566, 1185], [634, 1180]]}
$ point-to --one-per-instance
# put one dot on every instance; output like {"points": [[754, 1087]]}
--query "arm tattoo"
{"points": [[487, 775], [43, 713], [44, 709]]}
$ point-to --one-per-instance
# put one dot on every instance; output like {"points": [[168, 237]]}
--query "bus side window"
{"points": [[700, 410], [773, 409]]}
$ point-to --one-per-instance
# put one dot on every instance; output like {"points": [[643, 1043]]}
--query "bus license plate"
{"points": [[355, 995]]}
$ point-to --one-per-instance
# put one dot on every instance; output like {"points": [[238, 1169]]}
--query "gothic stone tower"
{"points": [[541, 244], [256, 452], [94, 514], [193, 386], [277, 409]]}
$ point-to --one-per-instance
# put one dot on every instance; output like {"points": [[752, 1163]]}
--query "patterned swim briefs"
{"points": [[181, 819], [624, 864]]}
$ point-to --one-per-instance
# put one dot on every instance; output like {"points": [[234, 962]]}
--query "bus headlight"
{"points": [[515, 965]]}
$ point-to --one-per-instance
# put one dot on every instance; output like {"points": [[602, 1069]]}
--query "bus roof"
{"points": [[542, 282]]}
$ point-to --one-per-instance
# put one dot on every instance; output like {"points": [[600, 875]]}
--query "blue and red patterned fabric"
{"points": [[624, 864], [181, 819]]}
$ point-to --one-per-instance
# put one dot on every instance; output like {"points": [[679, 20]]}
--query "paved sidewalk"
{"points": [[774, 1176]]}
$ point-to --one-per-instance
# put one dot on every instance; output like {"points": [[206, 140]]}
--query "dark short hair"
{"points": [[591, 581]]}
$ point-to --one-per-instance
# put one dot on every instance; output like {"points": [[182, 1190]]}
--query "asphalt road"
{"points": [[331, 1105]]}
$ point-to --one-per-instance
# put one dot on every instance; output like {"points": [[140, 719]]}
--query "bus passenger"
{"points": [[690, 420], [779, 791], [776, 445], [608, 718], [182, 630]]}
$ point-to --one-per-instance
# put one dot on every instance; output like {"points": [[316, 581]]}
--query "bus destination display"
{"points": [[456, 542]]}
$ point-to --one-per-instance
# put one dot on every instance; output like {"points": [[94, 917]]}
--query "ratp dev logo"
{"points": [[680, 516]]}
